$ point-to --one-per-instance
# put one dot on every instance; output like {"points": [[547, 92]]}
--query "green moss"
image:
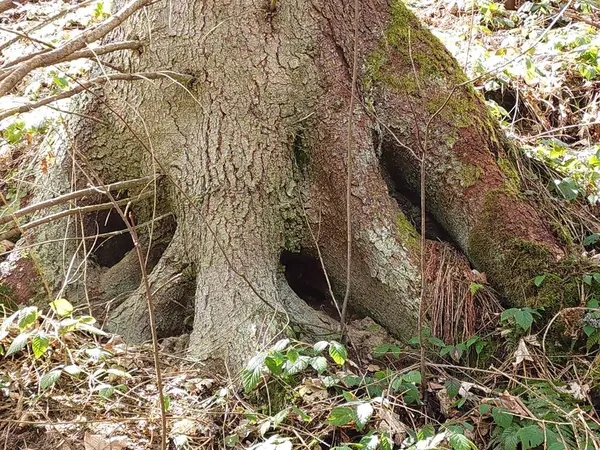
{"points": [[408, 234], [512, 264], [512, 183], [469, 175]]}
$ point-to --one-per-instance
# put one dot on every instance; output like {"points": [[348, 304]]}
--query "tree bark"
{"points": [[254, 157]]}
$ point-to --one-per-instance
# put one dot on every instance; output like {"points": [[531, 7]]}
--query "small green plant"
{"points": [[520, 319]]}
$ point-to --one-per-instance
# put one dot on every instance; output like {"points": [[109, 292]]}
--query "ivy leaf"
{"points": [[530, 436], [50, 378], [18, 344], [61, 307], [39, 344], [252, 372], [364, 411], [338, 352]]}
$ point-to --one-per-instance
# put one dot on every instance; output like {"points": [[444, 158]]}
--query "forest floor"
{"points": [[65, 384]]}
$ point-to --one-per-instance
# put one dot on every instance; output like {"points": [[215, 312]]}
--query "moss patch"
{"points": [[408, 234], [512, 264]]}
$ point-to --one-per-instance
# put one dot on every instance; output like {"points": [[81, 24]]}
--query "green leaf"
{"points": [[166, 402], [18, 344], [459, 441], [539, 280], [484, 408], [436, 341], [50, 378], [338, 352], [530, 436], [364, 411], [39, 344], [320, 346], [452, 387], [319, 363], [252, 372], [479, 346], [502, 417], [587, 279], [61, 307], [385, 442], [280, 417], [281, 345], [349, 396], [119, 373], [274, 365], [591, 239], [300, 413], [29, 316], [340, 416], [414, 376], [301, 363], [511, 441], [369, 442]]}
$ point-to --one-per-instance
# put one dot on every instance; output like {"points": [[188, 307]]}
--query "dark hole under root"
{"points": [[459, 301], [108, 250], [408, 199], [306, 278]]}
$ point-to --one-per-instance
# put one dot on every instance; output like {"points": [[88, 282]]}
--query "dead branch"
{"points": [[73, 195], [46, 22], [86, 85], [59, 215], [75, 44], [89, 53]]}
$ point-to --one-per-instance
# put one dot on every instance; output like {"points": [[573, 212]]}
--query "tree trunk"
{"points": [[253, 151]]}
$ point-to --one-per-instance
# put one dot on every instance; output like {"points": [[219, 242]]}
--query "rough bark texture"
{"points": [[255, 147]]}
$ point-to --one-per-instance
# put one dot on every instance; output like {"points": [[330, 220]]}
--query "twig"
{"points": [[349, 174], [151, 316], [72, 195], [88, 53], [47, 21], [78, 43], [85, 85], [69, 212]]}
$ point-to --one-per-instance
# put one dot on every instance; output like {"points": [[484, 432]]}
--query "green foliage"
{"points": [[521, 318]]}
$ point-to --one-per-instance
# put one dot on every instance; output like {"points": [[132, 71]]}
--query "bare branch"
{"points": [[89, 53], [46, 22], [75, 44], [72, 195], [59, 215], [85, 85]]}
